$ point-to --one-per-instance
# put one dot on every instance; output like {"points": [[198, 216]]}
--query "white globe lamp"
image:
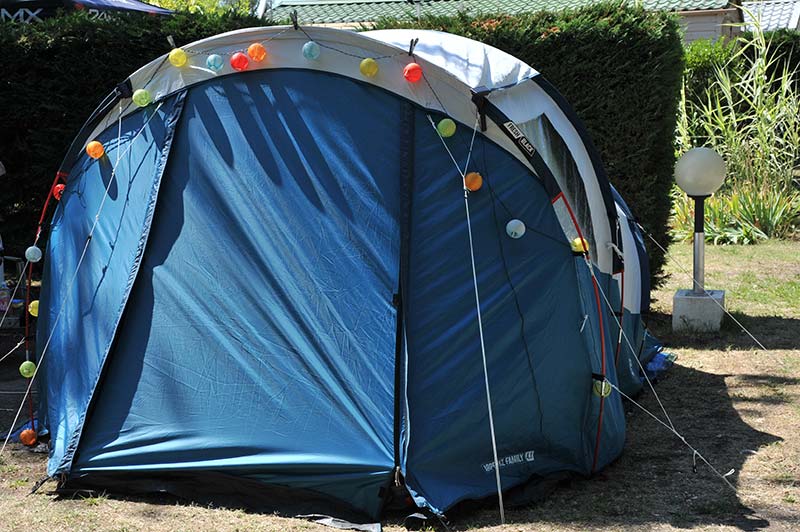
{"points": [[699, 172]]}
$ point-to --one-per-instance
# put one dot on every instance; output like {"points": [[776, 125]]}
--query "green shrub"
{"points": [[745, 215], [620, 68], [702, 59], [54, 75], [705, 55], [784, 46]]}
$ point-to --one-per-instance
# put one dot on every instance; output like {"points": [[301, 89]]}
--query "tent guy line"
{"points": [[14, 292], [697, 284], [477, 303], [627, 341], [695, 452], [19, 344], [669, 426]]}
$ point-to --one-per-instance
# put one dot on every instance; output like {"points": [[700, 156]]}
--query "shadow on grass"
{"points": [[775, 332], [653, 482]]}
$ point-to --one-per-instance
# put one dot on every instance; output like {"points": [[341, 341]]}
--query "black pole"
{"points": [[699, 244], [699, 213]]}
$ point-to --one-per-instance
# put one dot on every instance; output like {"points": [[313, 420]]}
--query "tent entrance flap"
{"points": [[115, 195], [261, 339]]}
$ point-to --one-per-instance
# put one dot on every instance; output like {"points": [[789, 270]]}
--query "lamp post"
{"points": [[699, 172]]}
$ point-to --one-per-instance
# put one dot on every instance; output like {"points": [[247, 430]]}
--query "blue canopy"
{"points": [[29, 11], [119, 5]]}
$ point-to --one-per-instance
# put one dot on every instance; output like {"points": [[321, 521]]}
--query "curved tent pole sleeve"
{"points": [[123, 90]]}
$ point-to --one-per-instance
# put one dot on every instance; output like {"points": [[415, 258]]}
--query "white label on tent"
{"points": [[512, 459], [521, 139]]}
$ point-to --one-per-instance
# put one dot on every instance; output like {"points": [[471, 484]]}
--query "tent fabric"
{"points": [[532, 309], [524, 99], [261, 229], [475, 63], [89, 289], [279, 289], [635, 291]]}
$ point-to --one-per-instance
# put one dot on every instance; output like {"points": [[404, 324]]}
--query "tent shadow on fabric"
{"points": [[156, 257], [653, 482]]}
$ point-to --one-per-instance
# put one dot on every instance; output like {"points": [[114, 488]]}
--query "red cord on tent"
{"points": [[600, 323], [602, 371], [59, 176]]}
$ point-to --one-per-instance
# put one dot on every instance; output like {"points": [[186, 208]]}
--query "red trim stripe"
{"points": [[602, 332]]}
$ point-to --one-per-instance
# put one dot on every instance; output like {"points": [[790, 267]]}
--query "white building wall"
{"points": [[711, 24]]}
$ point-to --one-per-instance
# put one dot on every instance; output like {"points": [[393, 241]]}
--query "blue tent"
{"points": [[277, 285]]}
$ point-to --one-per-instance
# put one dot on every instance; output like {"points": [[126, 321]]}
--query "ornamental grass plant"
{"points": [[749, 112]]}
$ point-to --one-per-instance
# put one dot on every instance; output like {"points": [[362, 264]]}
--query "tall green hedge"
{"points": [[620, 68], [53, 76]]}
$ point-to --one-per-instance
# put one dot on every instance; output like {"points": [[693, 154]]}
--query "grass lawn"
{"points": [[737, 404]]}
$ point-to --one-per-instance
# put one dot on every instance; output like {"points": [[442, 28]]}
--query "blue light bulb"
{"points": [[215, 62], [311, 50]]}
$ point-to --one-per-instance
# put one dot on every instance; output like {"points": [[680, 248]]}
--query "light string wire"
{"points": [[206, 51], [478, 307], [697, 284], [669, 426], [68, 291]]}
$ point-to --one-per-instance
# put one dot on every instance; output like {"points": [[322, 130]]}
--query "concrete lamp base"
{"points": [[693, 312]]}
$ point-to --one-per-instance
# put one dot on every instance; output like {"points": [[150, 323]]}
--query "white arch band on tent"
{"points": [[454, 68]]}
